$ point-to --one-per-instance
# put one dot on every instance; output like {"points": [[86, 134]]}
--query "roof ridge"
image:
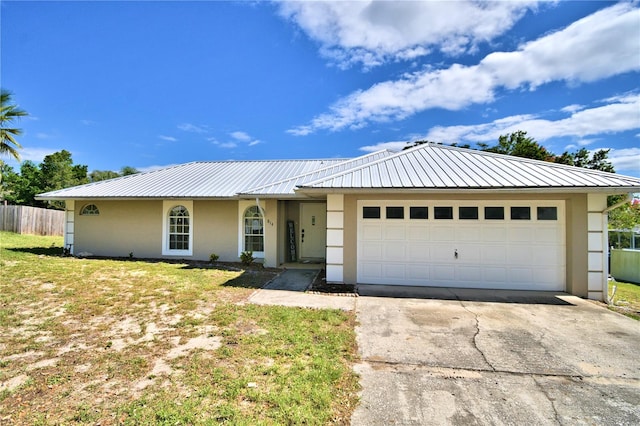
{"points": [[246, 191], [511, 158], [535, 161]]}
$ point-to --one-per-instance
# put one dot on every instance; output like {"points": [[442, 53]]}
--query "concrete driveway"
{"points": [[484, 357]]}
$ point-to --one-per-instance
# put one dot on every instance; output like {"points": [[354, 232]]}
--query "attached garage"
{"points": [[452, 243]]}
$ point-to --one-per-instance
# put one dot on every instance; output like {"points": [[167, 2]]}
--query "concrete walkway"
{"points": [[288, 289]]}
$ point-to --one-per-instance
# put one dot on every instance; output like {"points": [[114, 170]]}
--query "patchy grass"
{"points": [[98, 341], [626, 299]]}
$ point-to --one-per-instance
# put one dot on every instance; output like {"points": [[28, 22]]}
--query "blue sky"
{"points": [[149, 84]]}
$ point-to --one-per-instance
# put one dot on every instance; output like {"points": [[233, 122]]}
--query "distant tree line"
{"points": [[56, 171], [519, 144]]}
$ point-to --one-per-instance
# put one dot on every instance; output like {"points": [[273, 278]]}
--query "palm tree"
{"points": [[8, 113]]}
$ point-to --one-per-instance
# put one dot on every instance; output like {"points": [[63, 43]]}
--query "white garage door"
{"points": [[490, 244]]}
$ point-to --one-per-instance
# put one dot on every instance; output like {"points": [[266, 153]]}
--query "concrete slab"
{"points": [[475, 357], [302, 300], [288, 289], [293, 280]]}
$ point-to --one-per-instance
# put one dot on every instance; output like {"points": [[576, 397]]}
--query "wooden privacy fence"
{"points": [[31, 220]]}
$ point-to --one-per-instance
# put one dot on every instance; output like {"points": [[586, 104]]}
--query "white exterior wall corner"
{"points": [[335, 238], [597, 224]]}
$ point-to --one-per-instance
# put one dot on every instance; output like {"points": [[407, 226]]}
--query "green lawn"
{"points": [[626, 299], [98, 341]]}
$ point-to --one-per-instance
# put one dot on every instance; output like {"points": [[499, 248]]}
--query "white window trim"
{"points": [[243, 205], [167, 205], [85, 212]]}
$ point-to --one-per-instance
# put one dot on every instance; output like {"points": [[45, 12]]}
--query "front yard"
{"points": [[96, 341], [626, 298]]}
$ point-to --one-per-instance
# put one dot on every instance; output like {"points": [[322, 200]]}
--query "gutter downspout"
{"points": [[605, 242]]}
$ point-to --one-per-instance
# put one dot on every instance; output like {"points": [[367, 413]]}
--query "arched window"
{"points": [[179, 228], [90, 210], [253, 230]]}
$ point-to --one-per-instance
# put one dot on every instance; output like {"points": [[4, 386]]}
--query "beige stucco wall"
{"points": [[576, 228], [136, 226], [121, 228]]}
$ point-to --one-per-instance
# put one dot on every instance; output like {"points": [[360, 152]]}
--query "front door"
{"points": [[313, 230]]}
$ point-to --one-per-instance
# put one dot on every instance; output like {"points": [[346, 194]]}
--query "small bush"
{"points": [[213, 258], [246, 257]]}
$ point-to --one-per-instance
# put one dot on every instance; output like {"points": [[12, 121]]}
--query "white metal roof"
{"points": [[427, 167], [288, 186], [436, 167], [218, 179]]}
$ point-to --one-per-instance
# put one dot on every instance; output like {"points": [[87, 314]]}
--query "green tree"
{"points": [[581, 158], [625, 217], [98, 175], [22, 188], [58, 171], [128, 170], [518, 144], [8, 114]]}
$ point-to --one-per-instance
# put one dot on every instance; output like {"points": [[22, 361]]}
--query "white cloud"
{"points": [[392, 146], [227, 145], [598, 46], [626, 160], [34, 154], [623, 115], [188, 127], [43, 135], [572, 108], [374, 32], [168, 138], [244, 137], [241, 136], [88, 122]]}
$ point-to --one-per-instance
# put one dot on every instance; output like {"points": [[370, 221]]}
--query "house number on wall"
{"points": [[313, 221]]}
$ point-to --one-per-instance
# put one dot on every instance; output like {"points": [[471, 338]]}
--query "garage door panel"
{"points": [[494, 234], [372, 251], [468, 234], [469, 253], [371, 232], [418, 273], [468, 273], [494, 275], [549, 256], [395, 232], [550, 235], [418, 252], [521, 234], [417, 233], [442, 233], [395, 250], [492, 253], [443, 253], [370, 271], [520, 275], [443, 273], [519, 254], [394, 271]]}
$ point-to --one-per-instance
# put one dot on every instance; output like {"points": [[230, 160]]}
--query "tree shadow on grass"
{"points": [[251, 276], [53, 251]]}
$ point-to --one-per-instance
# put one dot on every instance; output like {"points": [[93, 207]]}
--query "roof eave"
{"points": [[532, 190]]}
